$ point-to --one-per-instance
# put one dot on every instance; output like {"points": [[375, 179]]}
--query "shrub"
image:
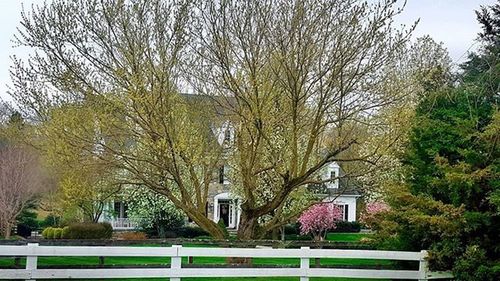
{"points": [[26, 223], [88, 231], [222, 226], [50, 221], [292, 229], [133, 236], [65, 232], [58, 233], [190, 232], [45, 232], [50, 233], [108, 230], [473, 265], [347, 226]]}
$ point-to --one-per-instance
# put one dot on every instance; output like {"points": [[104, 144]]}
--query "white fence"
{"points": [[176, 271]]}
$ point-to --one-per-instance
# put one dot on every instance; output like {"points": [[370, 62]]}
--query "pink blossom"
{"points": [[372, 209], [320, 218]]}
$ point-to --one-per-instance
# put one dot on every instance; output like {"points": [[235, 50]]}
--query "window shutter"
{"points": [[346, 212]]}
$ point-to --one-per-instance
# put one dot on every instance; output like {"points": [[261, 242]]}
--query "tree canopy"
{"points": [[300, 82]]}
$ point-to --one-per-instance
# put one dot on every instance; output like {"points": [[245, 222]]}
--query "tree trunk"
{"points": [[247, 230], [8, 229]]}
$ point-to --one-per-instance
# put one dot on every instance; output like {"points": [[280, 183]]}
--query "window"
{"points": [[120, 209], [334, 180], [221, 174], [227, 135]]}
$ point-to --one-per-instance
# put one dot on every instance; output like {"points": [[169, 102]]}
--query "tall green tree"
{"points": [[450, 194]]}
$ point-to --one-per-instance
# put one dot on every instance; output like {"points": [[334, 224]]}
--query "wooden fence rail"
{"points": [[176, 271]]}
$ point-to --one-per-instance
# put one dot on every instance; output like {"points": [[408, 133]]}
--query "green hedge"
{"points": [[88, 231], [80, 231], [346, 226], [52, 233], [58, 233]]}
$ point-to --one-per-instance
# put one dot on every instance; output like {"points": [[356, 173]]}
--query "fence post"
{"points": [[31, 260], [423, 266], [176, 262], [304, 265]]}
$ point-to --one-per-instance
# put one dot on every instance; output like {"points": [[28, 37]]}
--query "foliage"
{"points": [[50, 221], [189, 232], [88, 231], [346, 227], [58, 233], [474, 265], [133, 236], [48, 233], [117, 98], [154, 212], [373, 212], [448, 202], [223, 226], [53, 233], [320, 218], [27, 222]]}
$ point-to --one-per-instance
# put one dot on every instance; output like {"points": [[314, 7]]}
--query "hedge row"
{"points": [[80, 231]]}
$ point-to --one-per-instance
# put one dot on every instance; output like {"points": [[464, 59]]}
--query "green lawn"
{"points": [[89, 261], [346, 237]]}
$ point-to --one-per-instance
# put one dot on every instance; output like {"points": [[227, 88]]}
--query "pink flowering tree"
{"points": [[320, 218], [372, 211]]}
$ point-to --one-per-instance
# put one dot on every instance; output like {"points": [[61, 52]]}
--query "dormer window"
{"points": [[332, 175], [227, 135]]}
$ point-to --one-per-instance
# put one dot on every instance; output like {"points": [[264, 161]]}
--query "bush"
{"points": [[65, 232], [58, 233], [88, 231], [52, 233], [190, 232], [298, 237], [45, 232], [223, 227], [48, 233], [473, 265], [133, 236], [346, 226], [292, 229], [26, 223], [50, 221]]}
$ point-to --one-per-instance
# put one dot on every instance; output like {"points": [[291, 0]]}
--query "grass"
{"points": [[346, 237]]}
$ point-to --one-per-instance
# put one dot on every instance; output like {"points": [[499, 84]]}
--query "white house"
{"points": [[225, 206]]}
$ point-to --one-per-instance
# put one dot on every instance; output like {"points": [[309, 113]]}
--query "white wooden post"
{"points": [[176, 262], [423, 266], [304, 265], [31, 260]]}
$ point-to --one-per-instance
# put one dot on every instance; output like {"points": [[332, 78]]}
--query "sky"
{"points": [[452, 22]]}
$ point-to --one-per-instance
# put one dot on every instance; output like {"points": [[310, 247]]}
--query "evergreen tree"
{"points": [[451, 198]]}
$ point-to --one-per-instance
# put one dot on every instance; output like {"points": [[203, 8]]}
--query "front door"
{"points": [[224, 211]]}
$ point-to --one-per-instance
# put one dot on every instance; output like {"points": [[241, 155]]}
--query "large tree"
{"points": [[448, 201], [302, 80], [298, 80]]}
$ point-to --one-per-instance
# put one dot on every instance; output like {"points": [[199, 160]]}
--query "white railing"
{"points": [[176, 271], [124, 223]]}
